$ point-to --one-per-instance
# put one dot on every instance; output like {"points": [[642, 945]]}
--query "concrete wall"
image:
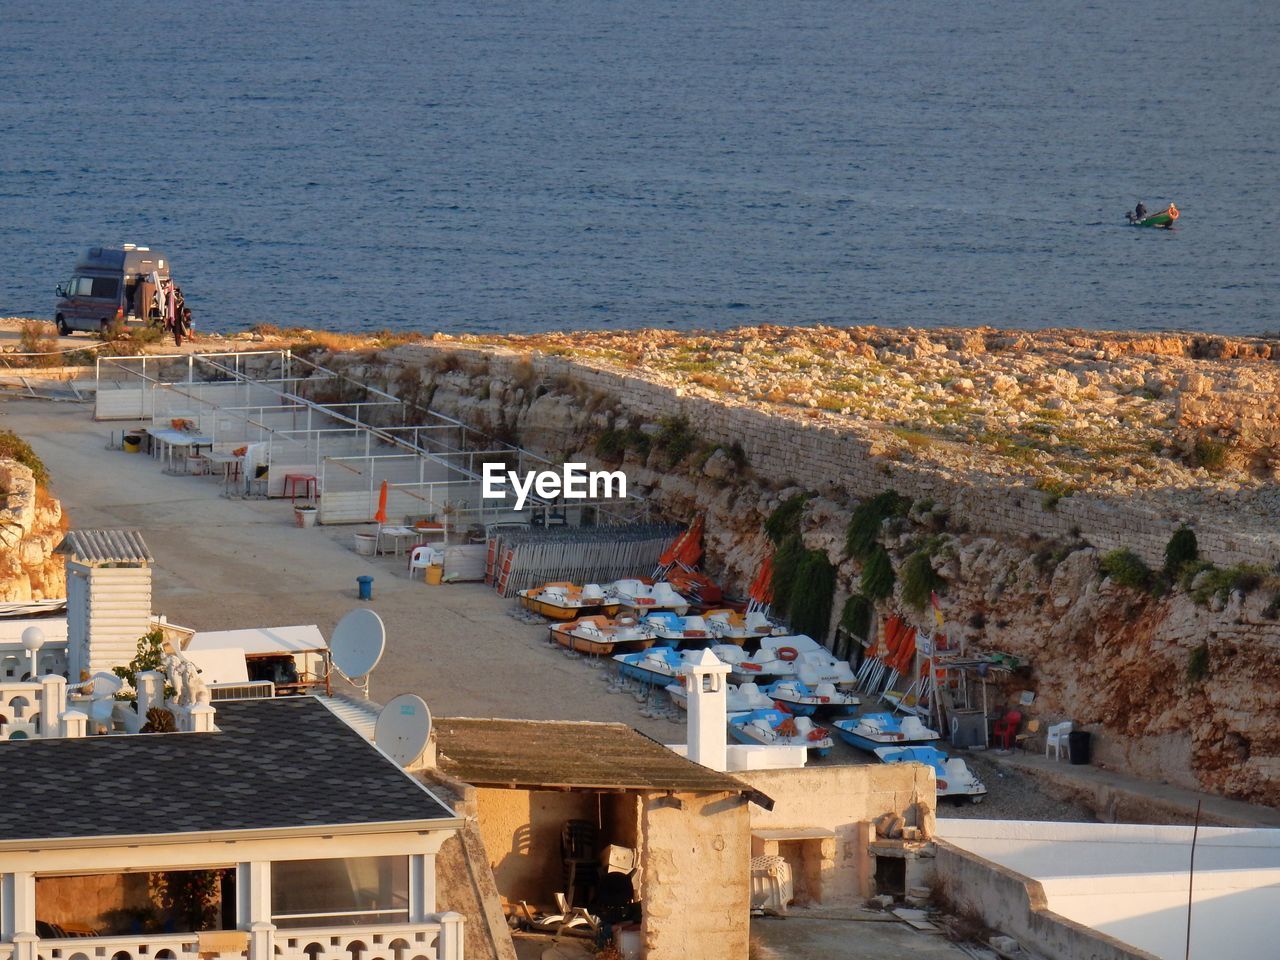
{"points": [[786, 444], [695, 863], [521, 833], [465, 885], [1016, 905], [845, 800], [1131, 881]]}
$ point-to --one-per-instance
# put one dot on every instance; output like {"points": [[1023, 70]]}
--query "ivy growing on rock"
{"points": [[863, 532], [812, 594], [1181, 550], [919, 579], [785, 520], [855, 618], [877, 575]]}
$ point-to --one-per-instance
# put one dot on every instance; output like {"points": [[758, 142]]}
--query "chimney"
{"points": [[108, 598], [707, 679]]}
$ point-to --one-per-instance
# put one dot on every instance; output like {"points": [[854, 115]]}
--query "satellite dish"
{"points": [[403, 728], [357, 643]]}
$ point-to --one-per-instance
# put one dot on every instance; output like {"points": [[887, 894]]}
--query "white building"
{"points": [[282, 835], [1129, 883]]}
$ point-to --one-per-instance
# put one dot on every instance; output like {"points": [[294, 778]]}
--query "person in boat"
{"points": [[1140, 211]]}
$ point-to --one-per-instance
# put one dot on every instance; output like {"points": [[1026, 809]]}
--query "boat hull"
{"points": [[803, 709], [598, 648], [870, 745], [1165, 219], [639, 607], [680, 641], [741, 733], [650, 677], [554, 611]]}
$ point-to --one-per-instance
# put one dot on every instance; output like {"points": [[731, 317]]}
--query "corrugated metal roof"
{"points": [[566, 754], [106, 546]]}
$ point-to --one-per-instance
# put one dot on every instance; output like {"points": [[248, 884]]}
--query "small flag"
{"points": [[937, 607]]}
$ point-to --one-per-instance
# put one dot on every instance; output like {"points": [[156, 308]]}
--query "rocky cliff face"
{"points": [[31, 526], [1177, 689]]}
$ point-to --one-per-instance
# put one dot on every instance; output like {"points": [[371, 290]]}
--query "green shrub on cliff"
{"points": [[1210, 454], [863, 531], [1198, 664], [612, 445], [785, 520], [1181, 550], [1126, 568], [13, 447], [919, 579], [812, 593], [855, 618], [786, 564], [675, 439], [1220, 582], [877, 575]]}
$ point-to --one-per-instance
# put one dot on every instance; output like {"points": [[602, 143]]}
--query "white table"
{"points": [[398, 536], [170, 439], [232, 467]]}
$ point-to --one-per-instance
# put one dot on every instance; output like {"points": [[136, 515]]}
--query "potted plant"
{"points": [[304, 515]]}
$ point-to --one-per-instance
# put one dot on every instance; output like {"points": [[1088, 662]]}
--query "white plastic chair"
{"points": [[422, 557], [1056, 738]]}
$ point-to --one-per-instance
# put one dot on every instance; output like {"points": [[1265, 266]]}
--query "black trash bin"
{"points": [[1078, 746]]}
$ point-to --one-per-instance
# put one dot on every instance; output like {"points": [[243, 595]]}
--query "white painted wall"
{"points": [[1131, 881], [108, 610]]}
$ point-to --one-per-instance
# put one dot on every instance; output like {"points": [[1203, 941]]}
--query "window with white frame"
{"points": [[340, 892]]}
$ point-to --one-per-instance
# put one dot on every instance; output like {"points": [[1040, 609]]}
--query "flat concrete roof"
{"points": [[260, 641]]}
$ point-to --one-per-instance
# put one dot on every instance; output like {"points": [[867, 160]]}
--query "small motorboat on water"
{"points": [[1166, 218], [955, 779], [785, 657], [739, 698], [774, 727], [808, 701], [873, 730], [568, 601], [601, 637], [646, 598]]}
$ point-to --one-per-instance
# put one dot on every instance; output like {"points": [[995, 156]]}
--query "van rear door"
{"points": [[90, 300]]}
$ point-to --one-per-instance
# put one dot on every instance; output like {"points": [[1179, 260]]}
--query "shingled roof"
{"points": [[555, 754], [272, 764]]}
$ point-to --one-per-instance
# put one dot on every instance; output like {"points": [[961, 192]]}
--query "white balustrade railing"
{"points": [[157, 946], [437, 939], [432, 940]]}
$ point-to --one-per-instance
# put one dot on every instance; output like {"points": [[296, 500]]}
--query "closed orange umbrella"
{"points": [[762, 586], [689, 550], [381, 515]]}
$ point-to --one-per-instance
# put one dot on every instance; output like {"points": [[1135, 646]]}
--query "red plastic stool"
{"points": [[291, 482]]}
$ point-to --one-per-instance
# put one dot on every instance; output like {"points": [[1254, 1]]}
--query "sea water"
{"points": [[506, 166]]}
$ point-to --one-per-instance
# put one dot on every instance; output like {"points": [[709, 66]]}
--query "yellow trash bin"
{"points": [[131, 443], [435, 573]]}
